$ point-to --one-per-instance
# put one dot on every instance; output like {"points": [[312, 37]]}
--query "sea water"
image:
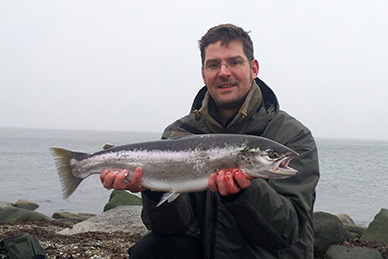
{"points": [[27, 168], [353, 172]]}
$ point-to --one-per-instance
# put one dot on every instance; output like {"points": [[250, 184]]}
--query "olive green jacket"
{"points": [[270, 219]]}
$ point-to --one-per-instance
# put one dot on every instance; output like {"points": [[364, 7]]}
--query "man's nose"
{"points": [[224, 70]]}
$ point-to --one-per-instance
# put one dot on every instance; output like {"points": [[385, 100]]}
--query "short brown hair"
{"points": [[225, 33]]}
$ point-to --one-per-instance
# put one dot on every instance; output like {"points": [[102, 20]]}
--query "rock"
{"points": [[345, 218], [118, 198], [343, 252], [122, 218], [26, 204], [5, 204], [378, 228], [10, 214], [71, 218], [329, 230], [355, 230]]}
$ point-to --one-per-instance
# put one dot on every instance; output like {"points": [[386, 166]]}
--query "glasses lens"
{"points": [[236, 64]]}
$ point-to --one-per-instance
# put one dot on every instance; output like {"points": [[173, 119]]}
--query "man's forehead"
{"points": [[233, 49]]}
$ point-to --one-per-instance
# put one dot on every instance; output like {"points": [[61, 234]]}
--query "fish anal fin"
{"points": [[168, 196]]}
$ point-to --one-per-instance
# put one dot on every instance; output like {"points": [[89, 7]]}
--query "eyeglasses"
{"points": [[232, 65]]}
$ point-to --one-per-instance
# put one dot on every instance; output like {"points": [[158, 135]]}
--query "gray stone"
{"points": [[346, 219], [71, 218], [122, 218], [26, 204], [378, 228], [5, 204], [329, 230], [343, 252], [355, 230], [10, 214]]}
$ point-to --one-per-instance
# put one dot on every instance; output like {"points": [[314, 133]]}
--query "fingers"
{"points": [[108, 178], [119, 182], [118, 179], [228, 181], [212, 182], [231, 186], [135, 184], [242, 179], [221, 182], [103, 174]]}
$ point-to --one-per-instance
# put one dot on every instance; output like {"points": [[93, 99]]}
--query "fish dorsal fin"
{"points": [[168, 196], [107, 146]]}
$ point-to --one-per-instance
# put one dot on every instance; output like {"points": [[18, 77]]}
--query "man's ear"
{"points": [[203, 75], [255, 68]]}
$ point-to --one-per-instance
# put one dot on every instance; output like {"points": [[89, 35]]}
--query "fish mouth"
{"points": [[280, 165]]}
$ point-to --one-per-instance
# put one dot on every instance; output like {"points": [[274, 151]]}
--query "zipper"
{"points": [[213, 233]]}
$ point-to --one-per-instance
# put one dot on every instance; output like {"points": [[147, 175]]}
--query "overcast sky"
{"points": [[135, 65]]}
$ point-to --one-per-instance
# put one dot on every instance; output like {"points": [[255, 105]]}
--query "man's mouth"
{"points": [[226, 86]]}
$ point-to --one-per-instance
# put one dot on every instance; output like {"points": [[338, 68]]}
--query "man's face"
{"points": [[228, 87]]}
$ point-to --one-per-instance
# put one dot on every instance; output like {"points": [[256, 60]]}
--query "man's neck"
{"points": [[225, 115]]}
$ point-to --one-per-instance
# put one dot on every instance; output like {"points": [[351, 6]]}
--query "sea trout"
{"points": [[179, 165]]}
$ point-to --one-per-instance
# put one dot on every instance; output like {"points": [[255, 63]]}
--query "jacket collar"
{"points": [[249, 107]]}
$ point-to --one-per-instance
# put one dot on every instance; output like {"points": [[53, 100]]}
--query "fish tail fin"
{"points": [[62, 161]]}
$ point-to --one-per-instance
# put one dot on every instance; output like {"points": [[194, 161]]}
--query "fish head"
{"points": [[270, 162]]}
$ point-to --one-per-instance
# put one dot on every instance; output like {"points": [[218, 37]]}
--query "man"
{"points": [[237, 217]]}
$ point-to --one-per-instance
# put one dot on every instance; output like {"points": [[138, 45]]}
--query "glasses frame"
{"points": [[218, 67]]}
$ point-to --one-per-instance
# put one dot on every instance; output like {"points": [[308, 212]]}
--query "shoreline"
{"points": [[103, 245], [96, 245], [111, 233]]}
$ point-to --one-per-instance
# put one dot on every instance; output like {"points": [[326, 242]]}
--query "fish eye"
{"points": [[273, 154]]}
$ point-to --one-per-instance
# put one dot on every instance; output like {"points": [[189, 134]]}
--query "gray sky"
{"points": [[135, 65]]}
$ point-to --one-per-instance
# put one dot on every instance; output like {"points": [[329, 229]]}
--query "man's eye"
{"points": [[235, 63], [213, 65]]}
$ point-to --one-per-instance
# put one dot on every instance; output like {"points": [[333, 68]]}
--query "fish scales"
{"points": [[179, 165], [163, 169]]}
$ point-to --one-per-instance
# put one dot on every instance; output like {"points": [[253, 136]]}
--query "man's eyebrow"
{"points": [[230, 58], [212, 60]]}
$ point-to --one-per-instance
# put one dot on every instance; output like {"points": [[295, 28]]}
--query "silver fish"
{"points": [[179, 165]]}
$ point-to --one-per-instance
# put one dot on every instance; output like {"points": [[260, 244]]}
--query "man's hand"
{"points": [[228, 181], [116, 179]]}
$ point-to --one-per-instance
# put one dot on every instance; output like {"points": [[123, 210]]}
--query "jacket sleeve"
{"points": [[274, 213], [173, 218]]}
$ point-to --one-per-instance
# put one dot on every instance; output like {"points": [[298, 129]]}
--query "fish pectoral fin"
{"points": [[168, 196]]}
